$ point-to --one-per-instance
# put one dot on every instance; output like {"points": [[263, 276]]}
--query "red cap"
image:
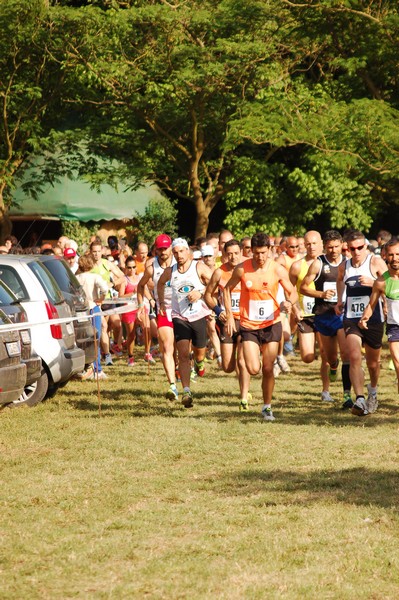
{"points": [[163, 241], [69, 253]]}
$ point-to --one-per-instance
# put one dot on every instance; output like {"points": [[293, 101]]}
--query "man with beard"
{"points": [[231, 347], [387, 285], [154, 269], [188, 279]]}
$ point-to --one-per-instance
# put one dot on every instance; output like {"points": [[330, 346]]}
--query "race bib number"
{"points": [[330, 285], [393, 312], [169, 314], [261, 310], [235, 302], [308, 304], [356, 305], [188, 309]]}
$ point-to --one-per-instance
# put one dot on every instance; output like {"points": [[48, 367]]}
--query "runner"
{"points": [[155, 268], [387, 285], [321, 283], [307, 334], [188, 279], [231, 347], [260, 312], [357, 276]]}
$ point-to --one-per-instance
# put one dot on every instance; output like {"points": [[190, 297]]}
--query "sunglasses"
{"points": [[130, 266], [354, 248], [293, 246]]}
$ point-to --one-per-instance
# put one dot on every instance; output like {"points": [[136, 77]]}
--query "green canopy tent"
{"points": [[75, 200]]}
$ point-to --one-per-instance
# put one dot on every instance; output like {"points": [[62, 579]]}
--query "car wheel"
{"points": [[34, 393]]}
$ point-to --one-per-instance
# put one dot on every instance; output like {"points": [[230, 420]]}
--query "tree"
{"points": [[185, 92], [30, 83]]}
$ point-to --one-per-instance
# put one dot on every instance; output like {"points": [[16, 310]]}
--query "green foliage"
{"points": [[80, 232], [160, 216]]}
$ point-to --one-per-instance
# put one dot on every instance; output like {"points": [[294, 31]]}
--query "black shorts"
{"points": [[194, 331], [307, 325], [372, 336], [266, 335], [392, 332], [227, 339]]}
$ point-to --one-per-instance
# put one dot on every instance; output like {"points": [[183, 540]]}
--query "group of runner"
{"points": [[257, 293]]}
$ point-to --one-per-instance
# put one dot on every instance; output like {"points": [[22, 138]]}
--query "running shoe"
{"points": [[347, 401], [199, 368], [283, 364], [193, 375], [100, 375], [326, 397], [108, 360], [86, 375], [219, 362], [360, 407], [115, 349], [267, 414], [149, 358], [244, 405], [372, 402], [130, 361], [276, 369], [332, 372], [172, 393], [187, 399], [391, 366]]}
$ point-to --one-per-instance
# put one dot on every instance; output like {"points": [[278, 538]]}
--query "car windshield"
{"points": [[66, 280], [10, 277], [49, 284]]}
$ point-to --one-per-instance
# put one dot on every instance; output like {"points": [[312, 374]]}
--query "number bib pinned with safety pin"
{"points": [[356, 305], [261, 310]]}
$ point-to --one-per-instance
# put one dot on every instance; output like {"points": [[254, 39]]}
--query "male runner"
{"points": [[260, 312], [357, 276], [154, 269], [231, 347], [188, 279], [321, 283], [387, 285]]}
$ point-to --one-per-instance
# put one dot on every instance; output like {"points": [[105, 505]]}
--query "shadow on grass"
{"points": [[358, 486]]}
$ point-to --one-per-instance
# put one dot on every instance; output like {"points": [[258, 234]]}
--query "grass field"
{"points": [[150, 500]]}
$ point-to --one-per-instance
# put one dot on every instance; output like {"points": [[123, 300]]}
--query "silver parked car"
{"points": [[40, 296], [12, 370]]}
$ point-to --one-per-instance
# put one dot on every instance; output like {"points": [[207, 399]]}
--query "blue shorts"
{"points": [[328, 324]]}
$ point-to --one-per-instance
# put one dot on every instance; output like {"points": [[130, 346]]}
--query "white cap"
{"points": [[197, 254], [179, 242], [207, 250]]}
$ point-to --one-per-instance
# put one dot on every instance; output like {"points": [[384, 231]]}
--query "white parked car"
{"points": [[40, 296]]}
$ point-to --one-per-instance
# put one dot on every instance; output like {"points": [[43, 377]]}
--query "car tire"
{"points": [[35, 392]]}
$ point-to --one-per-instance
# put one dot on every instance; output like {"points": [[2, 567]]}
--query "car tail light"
{"points": [[56, 330]]}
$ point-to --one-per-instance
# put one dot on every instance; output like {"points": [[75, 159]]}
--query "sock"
{"points": [[186, 389], [373, 390], [346, 380]]}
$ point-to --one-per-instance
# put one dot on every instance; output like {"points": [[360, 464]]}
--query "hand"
{"points": [[367, 281], [286, 307], [230, 326], [194, 296], [162, 310], [223, 317], [363, 323], [339, 308], [328, 294]]}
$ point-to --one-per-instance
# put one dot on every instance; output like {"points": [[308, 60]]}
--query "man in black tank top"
{"points": [[323, 273]]}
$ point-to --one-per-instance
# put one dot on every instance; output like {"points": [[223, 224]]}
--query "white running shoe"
{"points": [[283, 364], [268, 414], [326, 397], [360, 407], [276, 369]]}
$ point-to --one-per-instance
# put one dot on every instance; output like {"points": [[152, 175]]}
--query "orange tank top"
{"points": [[235, 293], [259, 306]]}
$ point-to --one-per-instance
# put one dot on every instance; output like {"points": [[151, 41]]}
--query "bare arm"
{"points": [[376, 293], [210, 295], [339, 307], [231, 284], [165, 277]]}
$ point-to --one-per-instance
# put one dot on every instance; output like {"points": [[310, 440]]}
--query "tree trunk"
{"points": [[202, 219], [5, 221]]}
